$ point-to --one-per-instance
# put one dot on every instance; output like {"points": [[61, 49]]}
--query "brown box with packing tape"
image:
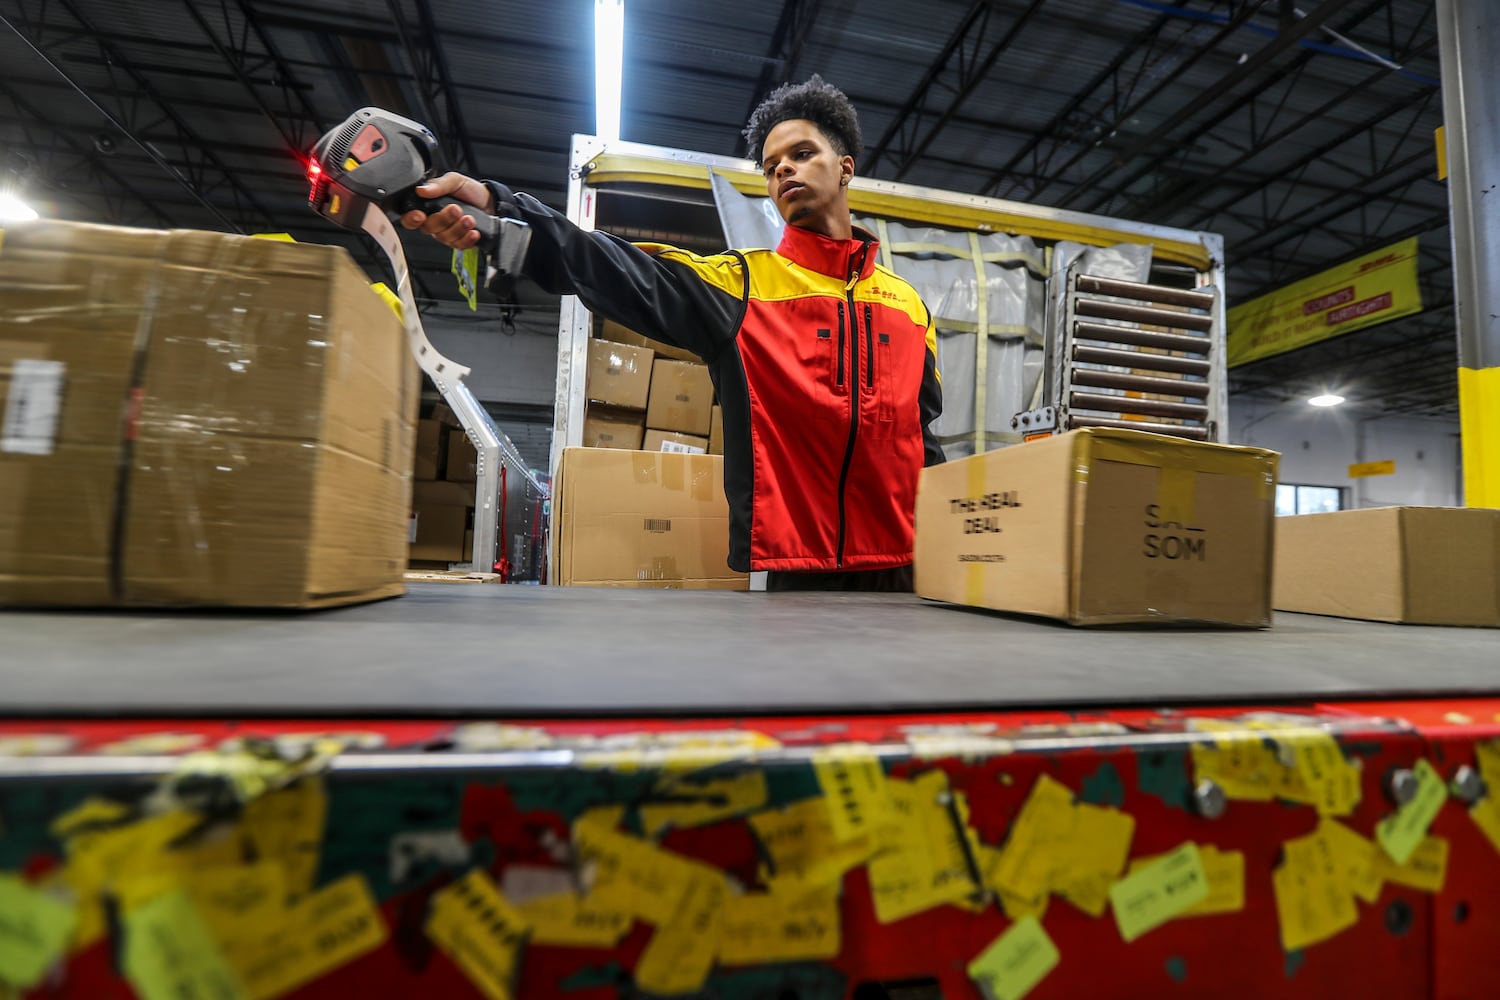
{"points": [[1420, 565], [195, 418], [1102, 526], [643, 519]]}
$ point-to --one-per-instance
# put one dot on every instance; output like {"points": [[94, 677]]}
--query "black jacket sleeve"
{"points": [[930, 400], [688, 301]]}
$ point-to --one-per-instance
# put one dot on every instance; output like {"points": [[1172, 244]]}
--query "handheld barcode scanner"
{"points": [[364, 175], [378, 158]]}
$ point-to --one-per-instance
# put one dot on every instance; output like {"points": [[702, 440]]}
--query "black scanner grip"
{"points": [[485, 224]]}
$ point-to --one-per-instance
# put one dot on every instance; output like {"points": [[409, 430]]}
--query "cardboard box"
{"points": [[716, 431], [1100, 527], [442, 515], [463, 459], [642, 519], [605, 428], [207, 419], [610, 330], [682, 398], [1421, 565], [685, 444], [619, 375], [429, 444]]}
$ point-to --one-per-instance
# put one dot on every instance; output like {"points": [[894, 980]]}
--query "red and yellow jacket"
{"points": [[825, 364]]}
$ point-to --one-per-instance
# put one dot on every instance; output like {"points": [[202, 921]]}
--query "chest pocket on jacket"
{"points": [[883, 376], [831, 347]]}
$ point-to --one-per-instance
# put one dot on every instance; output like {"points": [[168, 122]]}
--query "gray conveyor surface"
{"points": [[491, 650]]}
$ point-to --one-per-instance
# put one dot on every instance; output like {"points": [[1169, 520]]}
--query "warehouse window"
{"points": [[1294, 499]]}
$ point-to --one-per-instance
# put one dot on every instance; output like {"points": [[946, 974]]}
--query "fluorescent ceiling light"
{"points": [[13, 209], [609, 43], [1327, 399]]}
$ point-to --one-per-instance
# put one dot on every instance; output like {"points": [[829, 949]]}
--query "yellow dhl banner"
{"points": [[1369, 290]]}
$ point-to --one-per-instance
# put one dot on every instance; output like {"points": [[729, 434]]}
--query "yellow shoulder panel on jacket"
{"points": [[774, 278], [722, 270]]}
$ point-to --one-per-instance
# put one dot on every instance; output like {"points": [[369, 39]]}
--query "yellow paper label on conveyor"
{"points": [[1314, 894], [1426, 869], [763, 927], [34, 930], [327, 929], [1093, 858], [1160, 891], [803, 852], [567, 920], [169, 953], [1015, 962], [681, 952], [1401, 833], [853, 784], [1024, 868], [927, 853], [701, 802], [632, 875], [481, 932], [1225, 871]]}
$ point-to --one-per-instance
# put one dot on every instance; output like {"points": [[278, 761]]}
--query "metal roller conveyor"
{"points": [[1093, 285], [1189, 431], [1136, 337], [1083, 354], [1097, 379], [1129, 404], [1142, 314]]}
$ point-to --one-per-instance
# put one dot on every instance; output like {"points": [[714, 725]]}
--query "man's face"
{"points": [[805, 177]]}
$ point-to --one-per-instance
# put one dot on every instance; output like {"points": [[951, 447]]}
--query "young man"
{"points": [[824, 362]]}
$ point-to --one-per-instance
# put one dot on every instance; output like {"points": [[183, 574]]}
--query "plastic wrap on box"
{"points": [[234, 422]]}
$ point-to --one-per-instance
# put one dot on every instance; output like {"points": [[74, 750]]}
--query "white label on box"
{"points": [[32, 406], [683, 449]]}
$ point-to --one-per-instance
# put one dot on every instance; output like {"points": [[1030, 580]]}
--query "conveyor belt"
{"points": [[490, 650]]}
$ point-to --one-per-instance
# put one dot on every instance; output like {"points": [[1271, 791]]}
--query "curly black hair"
{"points": [[823, 104]]}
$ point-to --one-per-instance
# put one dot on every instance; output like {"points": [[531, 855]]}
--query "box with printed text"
{"points": [[1102, 526]]}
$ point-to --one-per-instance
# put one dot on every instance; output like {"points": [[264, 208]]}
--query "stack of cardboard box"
{"points": [[647, 395], [645, 519], [442, 515]]}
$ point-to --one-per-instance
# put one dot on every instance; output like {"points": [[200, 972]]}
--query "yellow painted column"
{"points": [[1469, 41]]}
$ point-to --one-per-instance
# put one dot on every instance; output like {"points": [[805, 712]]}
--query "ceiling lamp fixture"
{"points": [[1327, 399], [13, 209], [609, 44]]}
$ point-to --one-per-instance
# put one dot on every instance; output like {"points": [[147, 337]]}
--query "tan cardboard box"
{"points": [[682, 398], [716, 431], [429, 441], [1100, 527], [209, 420], [610, 330], [1422, 565], [606, 428], [676, 441], [619, 374], [463, 459], [442, 513], [643, 519]]}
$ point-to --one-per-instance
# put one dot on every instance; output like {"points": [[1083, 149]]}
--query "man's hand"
{"points": [[450, 226]]}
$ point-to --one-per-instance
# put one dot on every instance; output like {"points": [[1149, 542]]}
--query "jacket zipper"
{"points": [[839, 379], [869, 349], [855, 267]]}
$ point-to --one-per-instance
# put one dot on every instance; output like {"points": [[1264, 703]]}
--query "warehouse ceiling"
{"points": [[1300, 130]]}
